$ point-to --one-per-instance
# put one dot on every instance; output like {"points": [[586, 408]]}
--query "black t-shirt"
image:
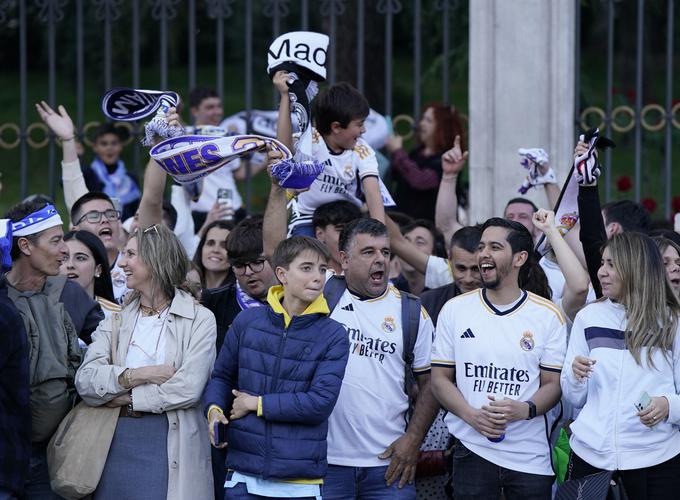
{"points": [[222, 302]]}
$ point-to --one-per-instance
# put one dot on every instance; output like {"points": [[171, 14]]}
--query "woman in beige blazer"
{"points": [[166, 348]]}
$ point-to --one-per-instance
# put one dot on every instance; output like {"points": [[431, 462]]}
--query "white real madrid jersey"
{"points": [[371, 409], [501, 353], [341, 177]]}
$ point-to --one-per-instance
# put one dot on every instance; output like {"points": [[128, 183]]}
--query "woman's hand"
{"points": [[122, 400], [582, 367], [59, 123], [242, 405], [215, 416], [152, 374], [394, 143], [656, 411], [454, 159]]}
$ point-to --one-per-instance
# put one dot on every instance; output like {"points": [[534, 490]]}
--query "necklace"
{"points": [[150, 311]]}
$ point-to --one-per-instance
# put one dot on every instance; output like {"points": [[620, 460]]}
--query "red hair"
{"points": [[448, 124]]}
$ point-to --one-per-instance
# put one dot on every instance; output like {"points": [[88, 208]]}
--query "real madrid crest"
{"points": [[388, 325], [349, 171], [527, 341]]}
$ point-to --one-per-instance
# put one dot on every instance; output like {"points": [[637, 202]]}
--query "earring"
{"points": [[97, 275]]}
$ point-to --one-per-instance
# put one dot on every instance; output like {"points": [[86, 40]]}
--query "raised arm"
{"points": [[575, 276], [284, 128], [62, 127], [151, 204], [275, 223], [404, 249], [446, 208]]}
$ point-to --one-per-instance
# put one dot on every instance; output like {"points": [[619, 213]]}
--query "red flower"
{"points": [[675, 203], [649, 204], [624, 183]]}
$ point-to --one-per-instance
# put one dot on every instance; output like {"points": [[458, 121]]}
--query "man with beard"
{"points": [[254, 277], [371, 451], [506, 344]]}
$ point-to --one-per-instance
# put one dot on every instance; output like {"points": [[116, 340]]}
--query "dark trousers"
{"points": [[478, 479], [658, 482]]}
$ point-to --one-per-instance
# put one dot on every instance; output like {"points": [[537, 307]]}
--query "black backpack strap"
{"points": [[410, 320], [335, 287]]}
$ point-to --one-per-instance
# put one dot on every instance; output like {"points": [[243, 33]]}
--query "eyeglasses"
{"points": [[95, 216], [255, 266]]}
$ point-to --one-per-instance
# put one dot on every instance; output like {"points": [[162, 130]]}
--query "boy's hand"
{"points": [[214, 416], [280, 81], [242, 405], [59, 123]]}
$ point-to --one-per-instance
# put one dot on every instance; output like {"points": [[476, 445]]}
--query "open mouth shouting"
{"points": [[487, 270], [105, 233]]}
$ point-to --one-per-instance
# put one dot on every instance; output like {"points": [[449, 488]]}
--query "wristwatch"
{"points": [[532, 409]]}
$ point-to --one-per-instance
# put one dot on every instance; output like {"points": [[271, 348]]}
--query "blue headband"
{"points": [[5, 245], [36, 222]]}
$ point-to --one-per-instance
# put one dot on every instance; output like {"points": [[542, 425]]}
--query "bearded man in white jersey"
{"points": [[372, 452], [505, 343]]}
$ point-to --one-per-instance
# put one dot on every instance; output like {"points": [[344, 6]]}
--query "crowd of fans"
{"points": [[336, 347]]}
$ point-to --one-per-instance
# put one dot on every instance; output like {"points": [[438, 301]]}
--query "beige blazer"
{"points": [[190, 348]]}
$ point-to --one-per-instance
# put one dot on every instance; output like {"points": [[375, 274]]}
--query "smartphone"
{"points": [[643, 401], [220, 433], [225, 197]]}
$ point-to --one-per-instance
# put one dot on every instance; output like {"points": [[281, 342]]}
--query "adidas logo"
{"points": [[348, 307], [467, 334]]}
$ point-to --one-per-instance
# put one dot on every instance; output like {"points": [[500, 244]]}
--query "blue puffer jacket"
{"points": [[298, 371]]}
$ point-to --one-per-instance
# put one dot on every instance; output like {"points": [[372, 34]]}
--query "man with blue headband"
{"points": [[55, 312], [15, 423]]}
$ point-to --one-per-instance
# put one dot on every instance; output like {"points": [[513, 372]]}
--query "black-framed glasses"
{"points": [[94, 216], [255, 267]]}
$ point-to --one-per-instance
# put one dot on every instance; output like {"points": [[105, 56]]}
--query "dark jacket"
{"points": [[298, 371], [433, 300], [592, 234], [222, 302], [15, 414]]}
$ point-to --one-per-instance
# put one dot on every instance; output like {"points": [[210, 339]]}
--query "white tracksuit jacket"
{"points": [[607, 433]]}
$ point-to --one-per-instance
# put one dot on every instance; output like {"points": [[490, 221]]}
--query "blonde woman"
{"points": [[166, 347], [624, 353], [670, 251]]}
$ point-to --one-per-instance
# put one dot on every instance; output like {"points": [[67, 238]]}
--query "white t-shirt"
{"points": [[555, 277], [371, 409], [147, 345], [502, 353], [341, 178], [438, 272]]}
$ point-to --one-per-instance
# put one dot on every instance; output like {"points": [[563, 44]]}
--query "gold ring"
{"points": [[12, 144], [627, 110], [37, 144], [674, 110], [592, 109], [403, 118], [659, 109]]}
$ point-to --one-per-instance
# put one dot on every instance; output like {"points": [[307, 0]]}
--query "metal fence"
{"points": [[237, 26], [653, 82]]}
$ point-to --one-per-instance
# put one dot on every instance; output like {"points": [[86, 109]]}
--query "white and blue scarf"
{"points": [[117, 184]]}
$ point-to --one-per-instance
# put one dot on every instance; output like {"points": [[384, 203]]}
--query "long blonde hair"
{"points": [[160, 250], [652, 309]]}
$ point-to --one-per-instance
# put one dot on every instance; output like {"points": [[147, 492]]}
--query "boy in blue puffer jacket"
{"points": [[278, 376]]}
